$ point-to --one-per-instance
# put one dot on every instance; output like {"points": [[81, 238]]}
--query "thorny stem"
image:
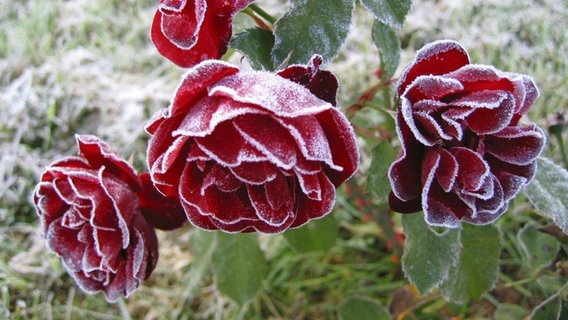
{"points": [[368, 96]]}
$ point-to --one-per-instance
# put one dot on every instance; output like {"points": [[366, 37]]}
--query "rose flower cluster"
{"points": [[258, 151], [238, 151]]}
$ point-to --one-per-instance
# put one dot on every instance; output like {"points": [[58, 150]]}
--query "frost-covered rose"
{"points": [[464, 152], [190, 31], [252, 150], [90, 214]]}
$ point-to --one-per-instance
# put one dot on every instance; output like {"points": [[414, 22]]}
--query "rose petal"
{"points": [[229, 154], [273, 202], [404, 173], [227, 207], [436, 58], [309, 209], [447, 172], [440, 208], [255, 172], [269, 137], [323, 84], [98, 153], [272, 93], [516, 145], [472, 168], [343, 145]]}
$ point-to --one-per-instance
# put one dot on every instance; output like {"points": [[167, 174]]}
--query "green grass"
{"points": [[84, 66]]}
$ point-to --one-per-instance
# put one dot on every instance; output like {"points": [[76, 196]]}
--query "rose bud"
{"points": [[252, 150], [189, 31], [464, 154], [89, 211]]}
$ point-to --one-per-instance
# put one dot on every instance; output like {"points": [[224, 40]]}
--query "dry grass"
{"points": [[88, 67]]}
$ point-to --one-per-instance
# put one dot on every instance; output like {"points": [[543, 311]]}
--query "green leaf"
{"points": [[202, 245], [391, 12], [239, 266], [428, 256], [378, 183], [389, 48], [548, 192], [317, 235], [257, 45], [362, 309], [478, 265], [539, 248], [311, 27], [506, 311]]}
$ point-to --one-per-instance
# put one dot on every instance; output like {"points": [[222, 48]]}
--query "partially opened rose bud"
{"points": [[190, 31], [465, 154], [252, 151], [89, 210]]}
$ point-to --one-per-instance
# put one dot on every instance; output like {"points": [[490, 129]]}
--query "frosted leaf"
{"points": [[548, 192]]}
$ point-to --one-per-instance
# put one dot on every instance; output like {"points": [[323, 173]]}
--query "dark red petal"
{"points": [[436, 58], [181, 22], [196, 82], [343, 145], [309, 209], [476, 77], [273, 202], [63, 241], [400, 206], [230, 154], [493, 110], [144, 248], [222, 178], [269, 137], [310, 139], [255, 172], [511, 177], [516, 145], [205, 40], [447, 173], [310, 185], [531, 94], [472, 168], [227, 207], [269, 92], [323, 84], [431, 88], [161, 212], [98, 153], [405, 172]]}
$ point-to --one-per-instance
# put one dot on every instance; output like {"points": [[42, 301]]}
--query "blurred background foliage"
{"points": [[88, 67]]}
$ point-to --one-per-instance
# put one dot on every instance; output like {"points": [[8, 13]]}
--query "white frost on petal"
{"points": [[312, 143], [122, 225], [197, 124], [273, 93], [450, 221], [199, 12]]}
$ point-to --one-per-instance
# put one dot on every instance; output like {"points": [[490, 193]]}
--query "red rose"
{"points": [[248, 151], [464, 152], [90, 214], [190, 31]]}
